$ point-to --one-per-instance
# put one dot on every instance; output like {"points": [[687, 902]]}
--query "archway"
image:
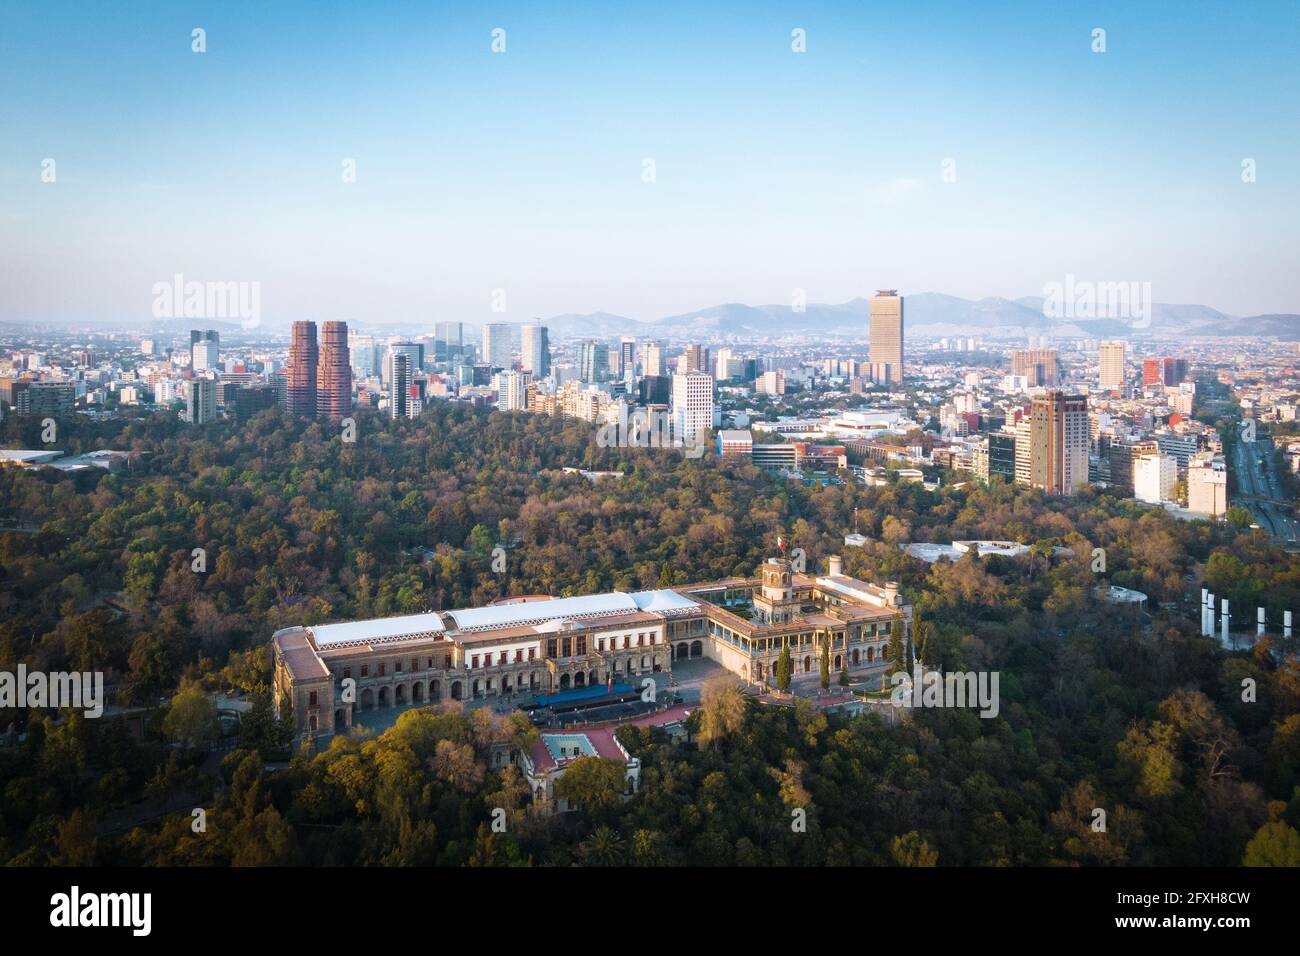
{"points": [[807, 665], [384, 699], [871, 655], [367, 699], [477, 689], [697, 649], [456, 691], [683, 651], [564, 682], [417, 692], [340, 720], [580, 679], [435, 690], [854, 657], [839, 661], [399, 695]]}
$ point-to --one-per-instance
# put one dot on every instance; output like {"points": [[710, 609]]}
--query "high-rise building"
{"points": [[536, 350], [205, 356], [414, 352], [202, 405], [1154, 477], [334, 377], [1123, 457], [198, 336], [655, 390], [692, 404], [1152, 372], [593, 362], [365, 355], [448, 341], [1174, 371], [304, 358], [1059, 443], [512, 390], [627, 357], [1002, 455], [497, 348], [1207, 487], [885, 333], [399, 384], [1038, 366], [1111, 359], [695, 359], [652, 359]]}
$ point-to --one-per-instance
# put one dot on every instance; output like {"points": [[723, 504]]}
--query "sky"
{"points": [[527, 170]]}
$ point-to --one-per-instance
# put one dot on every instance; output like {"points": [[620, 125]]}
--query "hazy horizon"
{"points": [[524, 171]]}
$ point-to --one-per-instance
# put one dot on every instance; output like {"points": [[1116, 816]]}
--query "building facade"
{"points": [[325, 674], [885, 334]]}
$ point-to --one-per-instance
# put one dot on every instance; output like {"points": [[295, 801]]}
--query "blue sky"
{"points": [[523, 171]]}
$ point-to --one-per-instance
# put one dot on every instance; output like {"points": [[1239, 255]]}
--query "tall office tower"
{"points": [[1175, 371], [496, 344], [205, 335], [1111, 358], [448, 341], [1154, 477], [627, 357], [692, 404], [652, 359], [1152, 374], [512, 391], [205, 356], [334, 377], [304, 357], [655, 390], [593, 363], [535, 350], [414, 352], [695, 359], [885, 333], [721, 364], [364, 354], [1038, 366], [398, 373], [202, 405], [1059, 443]]}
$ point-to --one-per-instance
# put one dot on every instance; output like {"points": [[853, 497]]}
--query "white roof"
{"points": [[377, 629], [663, 599], [532, 612]]}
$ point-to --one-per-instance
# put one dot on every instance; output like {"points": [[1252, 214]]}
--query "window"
{"points": [[551, 647], [581, 645], [600, 645], [532, 653], [503, 658], [415, 663], [430, 664], [397, 667], [473, 661], [347, 672], [311, 699], [519, 657], [383, 669], [365, 670]]}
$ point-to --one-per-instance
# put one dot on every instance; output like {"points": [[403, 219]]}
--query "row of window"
{"points": [[443, 662]]}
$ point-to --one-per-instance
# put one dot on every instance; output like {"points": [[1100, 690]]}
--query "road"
{"points": [[1260, 489]]}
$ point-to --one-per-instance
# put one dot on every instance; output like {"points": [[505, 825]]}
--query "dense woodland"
{"points": [[1101, 708]]}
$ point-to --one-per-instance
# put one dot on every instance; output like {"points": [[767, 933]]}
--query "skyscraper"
{"points": [[205, 355], [1036, 365], [202, 405], [304, 357], [692, 404], [696, 359], [399, 384], [496, 344], [886, 333], [1111, 359], [593, 361], [199, 336], [652, 359], [448, 341], [627, 357], [334, 377], [1059, 443], [535, 350]]}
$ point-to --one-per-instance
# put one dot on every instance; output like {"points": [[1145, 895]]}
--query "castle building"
{"points": [[325, 674]]}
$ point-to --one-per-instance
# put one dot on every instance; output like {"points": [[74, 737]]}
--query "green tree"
{"points": [[897, 646], [594, 784], [784, 669], [192, 718]]}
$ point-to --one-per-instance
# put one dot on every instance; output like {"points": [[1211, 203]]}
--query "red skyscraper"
{"points": [[300, 390], [1151, 371], [334, 378]]}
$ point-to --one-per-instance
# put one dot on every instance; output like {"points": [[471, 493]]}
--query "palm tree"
{"points": [[604, 847]]}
